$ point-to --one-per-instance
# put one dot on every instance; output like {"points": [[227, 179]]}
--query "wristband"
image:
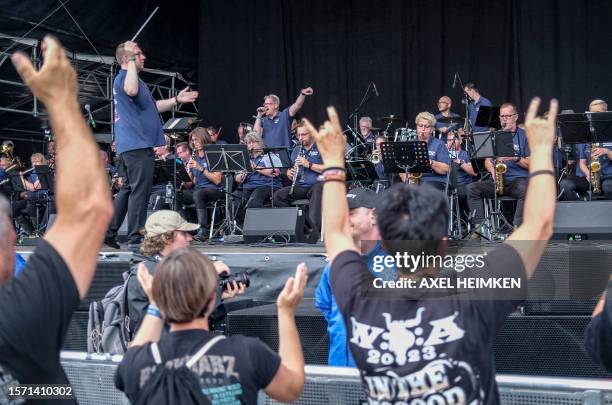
{"points": [[333, 175], [539, 172], [154, 311], [132, 58], [342, 169]]}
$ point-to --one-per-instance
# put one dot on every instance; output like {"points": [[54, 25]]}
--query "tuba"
{"points": [[500, 169], [595, 168], [7, 150]]}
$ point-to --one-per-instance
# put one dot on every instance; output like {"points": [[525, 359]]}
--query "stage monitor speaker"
{"points": [[583, 220], [262, 322], [274, 224]]}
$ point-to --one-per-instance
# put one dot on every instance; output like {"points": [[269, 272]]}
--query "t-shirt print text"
{"points": [[411, 345]]}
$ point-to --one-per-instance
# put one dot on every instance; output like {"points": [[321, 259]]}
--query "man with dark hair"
{"points": [[137, 130], [434, 349], [37, 306], [475, 101], [515, 177], [274, 125], [304, 176]]}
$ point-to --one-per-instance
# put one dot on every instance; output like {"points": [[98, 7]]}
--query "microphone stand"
{"points": [[354, 116]]}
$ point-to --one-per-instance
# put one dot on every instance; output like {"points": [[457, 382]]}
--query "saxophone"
{"points": [[500, 169], [414, 178], [595, 167]]}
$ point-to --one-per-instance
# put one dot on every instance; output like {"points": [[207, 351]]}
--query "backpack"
{"points": [[170, 386], [108, 326]]}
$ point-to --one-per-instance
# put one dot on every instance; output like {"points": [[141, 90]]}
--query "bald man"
{"points": [[444, 110]]}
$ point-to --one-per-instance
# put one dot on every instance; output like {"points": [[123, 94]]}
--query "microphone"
{"points": [[90, 119], [375, 90], [455, 80]]}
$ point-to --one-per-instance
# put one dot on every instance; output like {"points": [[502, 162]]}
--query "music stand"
{"points": [[492, 145], [574, 128], [488, 117], [275, 158], [45, 178], [229, 160], [361, 171], [405, 157], [601, 126]]}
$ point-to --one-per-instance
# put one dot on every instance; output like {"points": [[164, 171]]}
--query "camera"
{"points": [[226, 279]]}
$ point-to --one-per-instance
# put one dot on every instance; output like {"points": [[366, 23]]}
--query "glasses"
{"points": [[423, 126], [505, 117]]}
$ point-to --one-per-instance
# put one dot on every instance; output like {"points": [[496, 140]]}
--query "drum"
{"points": [[405, 135]]}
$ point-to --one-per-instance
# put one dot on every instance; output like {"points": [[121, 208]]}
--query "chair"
{"points": [[495, 220]]}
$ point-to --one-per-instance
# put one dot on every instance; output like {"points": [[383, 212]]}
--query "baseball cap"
{"points": [[163, 221], [361, 197]]}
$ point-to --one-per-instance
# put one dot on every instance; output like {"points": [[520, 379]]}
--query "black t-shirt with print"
{"points": [[35, 310], [436, 350], [234, 369]]}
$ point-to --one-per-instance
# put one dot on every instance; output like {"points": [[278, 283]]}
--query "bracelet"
{"points": [[333, 175], [154, 311], [342, 169], [539, 172]]}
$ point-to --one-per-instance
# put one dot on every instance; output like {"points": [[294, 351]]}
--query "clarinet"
{"points": [[296, 170]]}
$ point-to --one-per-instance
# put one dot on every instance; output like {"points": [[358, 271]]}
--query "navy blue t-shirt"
{"points": [[521, 148], [277, 130], [473, 108], [137, 123], [199, 179], [462, 176], [256, 179], [580, 153], [438, 152], [310, 176], [585, 153]]}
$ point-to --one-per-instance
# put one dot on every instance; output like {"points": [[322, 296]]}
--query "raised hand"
{"points": [[55, 82], [308, 91], [292, 293], [541, 131], [187, 96], [330, 140]]}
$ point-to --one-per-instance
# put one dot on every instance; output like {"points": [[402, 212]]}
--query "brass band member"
{"points": [[307, 167], [578, 182], [516, 173], [24, 209], [438, 154], [444, 110], [460, 161], [365, 129], [274, 125], [598, 156], [256, 187], [207, 184]]}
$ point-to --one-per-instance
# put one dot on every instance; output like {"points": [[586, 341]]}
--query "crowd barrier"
{"points": [[92, 379]]}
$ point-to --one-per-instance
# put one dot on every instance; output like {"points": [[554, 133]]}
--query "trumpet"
{"points": [[500, 169], [375, 157]]}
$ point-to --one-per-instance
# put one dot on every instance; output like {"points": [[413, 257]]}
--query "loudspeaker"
{"points": [[274, 224], [580, 220], [262, 322]]}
